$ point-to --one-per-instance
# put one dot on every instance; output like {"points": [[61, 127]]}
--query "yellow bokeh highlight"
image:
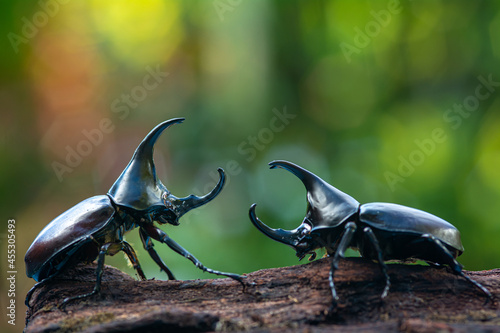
{"points": [[139, 33]]}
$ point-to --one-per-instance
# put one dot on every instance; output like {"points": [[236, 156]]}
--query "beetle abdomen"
{"points": [[69, 228], [401, 219]]}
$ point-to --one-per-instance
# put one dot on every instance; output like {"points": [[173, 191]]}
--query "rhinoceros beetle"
{"points": [[95, 227], [379, 231]]}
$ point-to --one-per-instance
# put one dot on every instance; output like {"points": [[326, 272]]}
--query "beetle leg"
{"points": [[161, 236], [148, 246], [100, 266], [36, 286], [373, 240], [456, 266], [129, 251], [349, 230]]}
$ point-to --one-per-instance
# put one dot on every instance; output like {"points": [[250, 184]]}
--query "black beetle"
{"points": [[379, 231], [95, 227]]}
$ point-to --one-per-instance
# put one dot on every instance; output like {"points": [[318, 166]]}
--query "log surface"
{"points": [[296, 298]]}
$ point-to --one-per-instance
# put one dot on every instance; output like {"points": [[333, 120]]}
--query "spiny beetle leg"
{"points": [[350, 229], [383, 267], [148, 246], [457, 267], [161, 236]]}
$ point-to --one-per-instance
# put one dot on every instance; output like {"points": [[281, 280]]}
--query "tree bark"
{"points": [[421, 299]]}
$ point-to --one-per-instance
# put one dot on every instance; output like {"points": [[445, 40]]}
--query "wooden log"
{"points": [[421, 299]]}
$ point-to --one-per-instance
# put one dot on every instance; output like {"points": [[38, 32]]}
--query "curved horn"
{"points": [[309, 179], [138, 187], [183, 205], [328, 206], [280, 235]]}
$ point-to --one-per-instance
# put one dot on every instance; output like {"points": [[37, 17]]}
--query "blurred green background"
{"points": [[388, 101]]}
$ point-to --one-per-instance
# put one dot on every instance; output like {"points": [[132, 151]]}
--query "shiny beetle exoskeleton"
{"points": [[380, 231], [95, 227]]}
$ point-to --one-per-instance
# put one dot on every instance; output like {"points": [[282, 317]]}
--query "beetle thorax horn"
{"points": [[138, 186], [327, 206]]}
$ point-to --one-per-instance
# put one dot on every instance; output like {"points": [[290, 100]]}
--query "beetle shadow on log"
{"points": [[276, 299]]}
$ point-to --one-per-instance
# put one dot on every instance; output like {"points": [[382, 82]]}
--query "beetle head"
{"points": [[138, 188], [327, 207]]}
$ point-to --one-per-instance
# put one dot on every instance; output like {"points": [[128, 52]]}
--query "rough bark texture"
{"points": [[297, 298]]}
